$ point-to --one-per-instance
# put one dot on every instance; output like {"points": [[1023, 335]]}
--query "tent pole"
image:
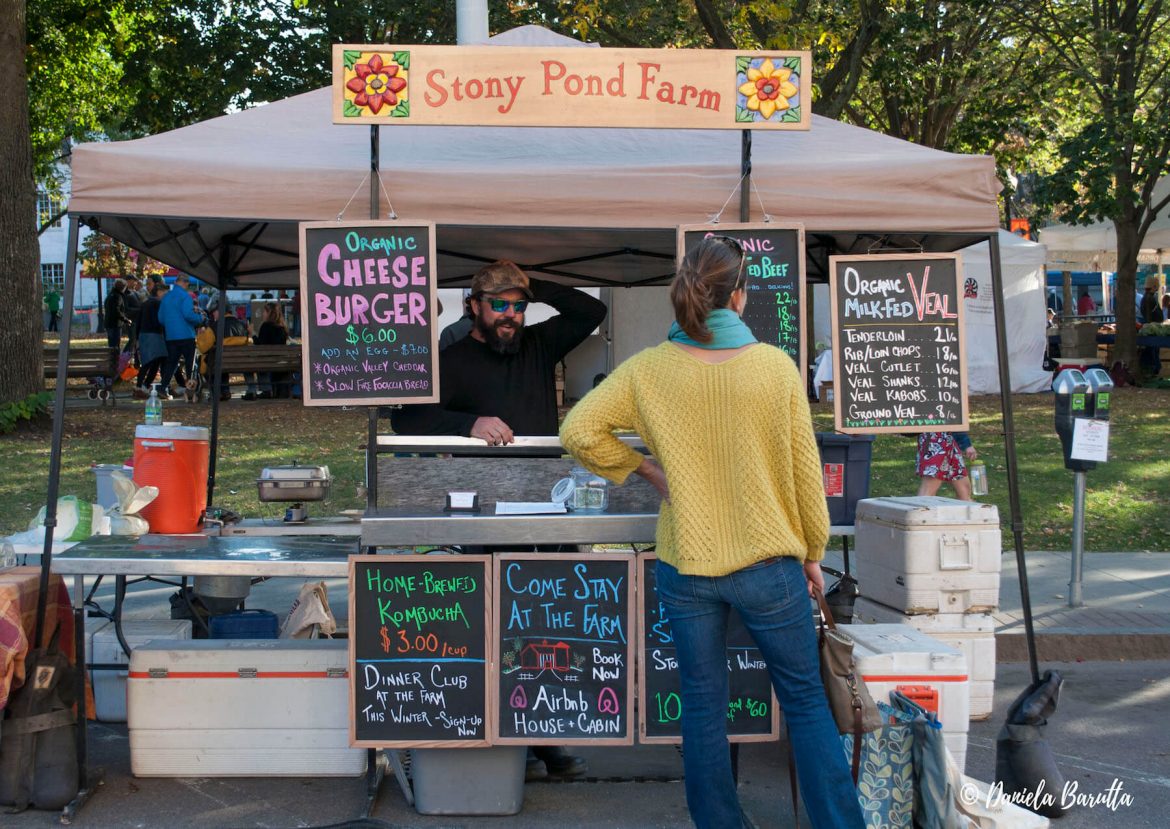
{"points": [[372, 412], [214, 371], [1009, 442], [58, 429], [745, 170]]}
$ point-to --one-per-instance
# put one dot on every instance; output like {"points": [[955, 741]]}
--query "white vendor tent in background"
{"points": [[1024, 312], [1093, 247]]}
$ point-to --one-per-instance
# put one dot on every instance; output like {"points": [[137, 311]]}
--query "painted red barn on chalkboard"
{"points": [[545, 657]]}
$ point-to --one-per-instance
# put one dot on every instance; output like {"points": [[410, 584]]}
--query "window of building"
{"points": [[48, 206], [53, 276]]}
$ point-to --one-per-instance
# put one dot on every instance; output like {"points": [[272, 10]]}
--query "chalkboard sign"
{"points": [[564, 666], [775, 280], [368, 311], [899, 362], [418, 649], [752, 712]]}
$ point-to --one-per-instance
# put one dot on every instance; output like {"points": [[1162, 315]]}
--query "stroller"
{"points": [[101, 386]]}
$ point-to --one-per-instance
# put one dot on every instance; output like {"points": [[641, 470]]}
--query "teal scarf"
{"points": [[726, 327]]}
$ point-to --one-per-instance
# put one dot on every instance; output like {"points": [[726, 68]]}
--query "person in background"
{"points": [[179, 319], [940, 458], [459, 329], [53, 303], [1165, 307], [235, 333], [743, 523], [152, 343], [1150, 309], [133, 301], [114, 314], [273, 331], [1085, 304]]}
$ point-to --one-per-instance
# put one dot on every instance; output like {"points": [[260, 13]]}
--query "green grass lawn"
{"points": [[1128, 498]]}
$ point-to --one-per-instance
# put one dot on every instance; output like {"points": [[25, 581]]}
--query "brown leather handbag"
{"points": [[853, 708]]}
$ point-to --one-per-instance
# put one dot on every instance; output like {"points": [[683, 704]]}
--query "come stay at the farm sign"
{"points": [[553, 87]]}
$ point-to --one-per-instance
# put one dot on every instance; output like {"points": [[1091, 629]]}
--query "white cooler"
{"points": [[893, 657], [109, 687], [928, 554], [241, 708], [971, 633]]}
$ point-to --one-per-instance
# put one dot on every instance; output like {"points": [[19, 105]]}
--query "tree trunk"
{"points": [[1125, 344], [20, 335]]}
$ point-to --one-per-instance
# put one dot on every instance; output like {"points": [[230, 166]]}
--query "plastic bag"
{"points": [[309, 612], [124, 518], [77, 520]]}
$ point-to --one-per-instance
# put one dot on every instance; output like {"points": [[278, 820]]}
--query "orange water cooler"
{"points": [[174, 459]]}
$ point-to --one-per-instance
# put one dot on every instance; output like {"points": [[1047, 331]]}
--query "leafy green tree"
{"points": [[1114, 144]]}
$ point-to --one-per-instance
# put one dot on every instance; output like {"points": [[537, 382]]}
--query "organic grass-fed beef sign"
{"points": [[368, 313], [774, 271], [419, 645], [564, 667], [899, 363]]}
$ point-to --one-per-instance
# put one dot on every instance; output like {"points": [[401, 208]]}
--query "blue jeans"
{"points": [[772, 598]]}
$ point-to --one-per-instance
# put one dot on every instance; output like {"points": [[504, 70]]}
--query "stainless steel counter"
{"points": [[386, 528], [208, 555]]}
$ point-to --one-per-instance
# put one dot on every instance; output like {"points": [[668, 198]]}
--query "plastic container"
{"points": [[973, 634], [926, 554], [109, 686], [154, 407], [892, 656], [207, 708], [175, 459], [845, 461], [106, 497], [468, 781], [245, 624], [978, 478]]}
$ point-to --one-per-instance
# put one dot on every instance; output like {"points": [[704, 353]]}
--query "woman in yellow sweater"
{"points": [[743, 523]]}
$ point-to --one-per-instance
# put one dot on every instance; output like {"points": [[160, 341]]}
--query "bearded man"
{"points": [[500, 380]]}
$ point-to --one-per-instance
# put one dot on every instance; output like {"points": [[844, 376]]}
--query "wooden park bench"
{"points": [[98, 364], [238, 359]]}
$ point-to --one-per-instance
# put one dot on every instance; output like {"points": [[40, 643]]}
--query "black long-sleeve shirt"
{"points": [[520, 388]]}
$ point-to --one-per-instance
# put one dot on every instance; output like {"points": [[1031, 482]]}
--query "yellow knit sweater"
{"points": [[736, 441]]}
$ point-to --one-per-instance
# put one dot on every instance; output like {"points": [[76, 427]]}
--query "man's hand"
{"points": [[970, 453], [652, 472], [812, 572], [493, 431]]}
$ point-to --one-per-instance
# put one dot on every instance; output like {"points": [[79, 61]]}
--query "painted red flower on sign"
{"points": [[376, 84]]}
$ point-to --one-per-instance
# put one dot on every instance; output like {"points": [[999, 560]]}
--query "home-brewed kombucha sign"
{"points": [[899, 362], [368, 313], [773, 276], [506, 86], [564, 669], [418, 645]]}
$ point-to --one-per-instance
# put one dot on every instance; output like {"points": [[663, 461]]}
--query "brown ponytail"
{"points": [[704, 282]]}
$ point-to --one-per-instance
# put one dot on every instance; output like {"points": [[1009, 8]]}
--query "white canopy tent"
{"points": [[221, 199], [1094, 246]]}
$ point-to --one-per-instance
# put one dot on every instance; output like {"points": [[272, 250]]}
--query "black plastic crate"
{"points": [[845, 461]]}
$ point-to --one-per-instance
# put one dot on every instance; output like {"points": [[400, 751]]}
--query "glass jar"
{"points": [[590, 492]]}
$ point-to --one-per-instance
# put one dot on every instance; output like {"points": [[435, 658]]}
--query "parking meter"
{"points": [[1100, 392], [1072, 402]]}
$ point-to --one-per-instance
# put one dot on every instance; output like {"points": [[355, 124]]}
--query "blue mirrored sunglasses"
{"points": [[502, 305]]}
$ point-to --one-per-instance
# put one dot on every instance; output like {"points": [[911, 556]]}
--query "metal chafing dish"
{"points": [[294, 482]]}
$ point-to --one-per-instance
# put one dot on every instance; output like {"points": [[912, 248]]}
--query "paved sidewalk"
{"points": [[1126, 611]]}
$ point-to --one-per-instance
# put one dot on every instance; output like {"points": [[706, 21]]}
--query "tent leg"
{"points": [[1009, 442]]}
